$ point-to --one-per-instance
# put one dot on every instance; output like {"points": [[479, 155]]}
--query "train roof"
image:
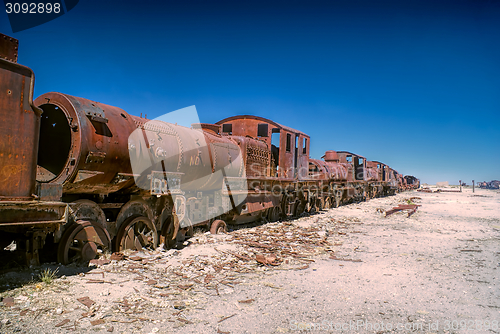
{"points": [[266, 120], [347, 152], [378, 162]]}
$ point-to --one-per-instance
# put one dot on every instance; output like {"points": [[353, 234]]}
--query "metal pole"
{"points": [[472, 185]]}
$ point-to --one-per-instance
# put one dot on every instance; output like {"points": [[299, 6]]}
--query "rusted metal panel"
{"points": [[49, 192], [330, 156], [357, 172], [8, 48], [30, 211], [78, 148], [287, 154], [255, 155], [317, 170], [18, 131], [328, 170], [257, 202], [383, 170], [372, 172], [287, 161], [412, 182], [338, 170], [203, 157], [252, 122], [214, 128]]}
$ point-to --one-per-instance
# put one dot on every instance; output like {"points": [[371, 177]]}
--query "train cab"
{"points": [[358, 171], [383, 171], [288, 148]]}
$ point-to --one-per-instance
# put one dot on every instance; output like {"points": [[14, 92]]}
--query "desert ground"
{"points": [[346, 270]]}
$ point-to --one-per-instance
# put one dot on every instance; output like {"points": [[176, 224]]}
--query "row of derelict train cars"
{"points": [[78, 177]]}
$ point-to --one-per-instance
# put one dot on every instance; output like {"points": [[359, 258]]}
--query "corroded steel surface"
{"points": [[202, 156], [357, 171], [91, 147], [8, 48], [255, 155], [291, 154], [18, 131], [372, 172], [411, 207], [16, 212], [328, 170], [412, 182], [83, 144]]}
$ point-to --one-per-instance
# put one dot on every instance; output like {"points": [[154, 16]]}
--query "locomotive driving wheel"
{"points": [[137, 232], [300, 207], [82, 242], [274, 214], [218, 227], [189, 231]]}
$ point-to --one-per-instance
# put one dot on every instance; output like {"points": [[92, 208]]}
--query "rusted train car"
{"points": [[411, 182], [79, 177]]}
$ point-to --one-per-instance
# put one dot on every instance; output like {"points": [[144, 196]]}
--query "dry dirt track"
{"points": [[435, 272]]}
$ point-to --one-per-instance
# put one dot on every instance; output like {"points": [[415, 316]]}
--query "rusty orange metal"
{"points": [[357, 170], [8, 48], [412, 182], [83, 144], [19, 127], [288, 153]]}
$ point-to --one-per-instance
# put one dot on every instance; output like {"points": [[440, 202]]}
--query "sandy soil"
{"points": [[347, 270]]}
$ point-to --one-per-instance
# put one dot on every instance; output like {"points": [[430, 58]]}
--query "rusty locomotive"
{"points": [[80, 177]]}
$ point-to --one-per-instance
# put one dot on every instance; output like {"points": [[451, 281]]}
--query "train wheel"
{"points": [[182, 236], [84, 209], [275, 214], [218, 227], [82, 241], [136, 233], [300, 207], [189, 231]]}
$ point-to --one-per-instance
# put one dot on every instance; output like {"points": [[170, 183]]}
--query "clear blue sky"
{"points": [[414, 84]]}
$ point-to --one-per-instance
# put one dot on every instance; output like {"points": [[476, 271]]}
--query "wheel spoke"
{"points": [[138, 243], [136, 233], [131, 234], [128, 241]]}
